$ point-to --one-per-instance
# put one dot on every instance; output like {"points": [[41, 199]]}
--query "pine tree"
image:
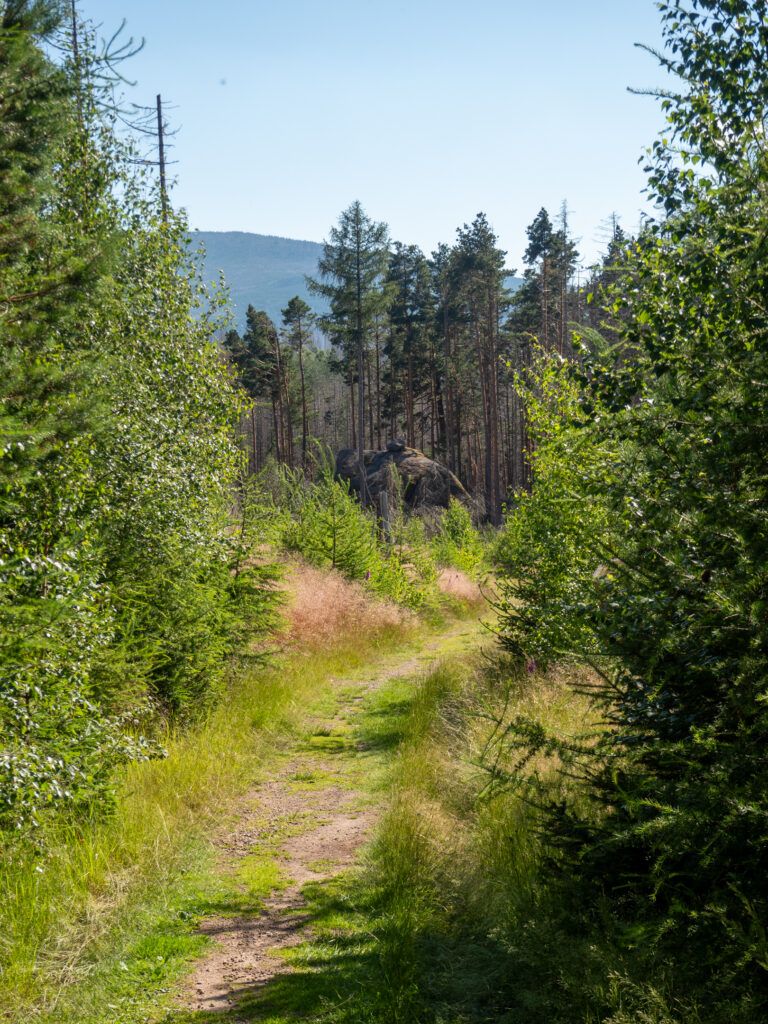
{"points": [[408, 347], [477, 275], [350, 275], [298, 320], [540, 307], [261, 371]]}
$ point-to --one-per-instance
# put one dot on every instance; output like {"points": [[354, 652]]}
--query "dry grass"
{"points": [[456, 584], [323, 606]]}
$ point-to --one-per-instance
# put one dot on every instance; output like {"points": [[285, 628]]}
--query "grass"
{"points": [[425, 932], [74, 923], [457, 869], [454, 917], [444, 923], [337, 975]]}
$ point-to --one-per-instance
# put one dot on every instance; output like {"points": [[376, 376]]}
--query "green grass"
{"points": [[67, 917], [345, 973], [423, 932], [451, 918]]}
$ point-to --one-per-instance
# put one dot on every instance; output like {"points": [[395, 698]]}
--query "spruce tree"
{"points": [[666, 835], [55, 740], [350, 276]]}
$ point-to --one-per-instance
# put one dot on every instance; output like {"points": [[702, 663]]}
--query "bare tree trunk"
{"points": [[432, 416], [368, 376], [161, 159], [352, 411], [304, 430], [440, 413], [450, 405], [457, 436], [410, 418], [360, 375], [254, 453], [378, 390], [276, 428], [493, 410], [286, 431]]}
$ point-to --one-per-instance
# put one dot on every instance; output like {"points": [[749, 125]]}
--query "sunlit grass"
{"points": [[455, 878], [64, 912]]}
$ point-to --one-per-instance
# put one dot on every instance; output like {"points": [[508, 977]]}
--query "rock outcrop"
{"points": [[423, 481]]}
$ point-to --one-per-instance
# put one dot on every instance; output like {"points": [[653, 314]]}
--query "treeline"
{"points": [[429, 349], [123, 590]]}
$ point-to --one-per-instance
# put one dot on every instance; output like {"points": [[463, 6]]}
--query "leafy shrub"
{"points": [[401, 577], [556, 542], [457, 543], [120, 580], [409, 572]]}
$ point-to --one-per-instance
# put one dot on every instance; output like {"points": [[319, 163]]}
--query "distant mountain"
{"points": [[265, 270]]}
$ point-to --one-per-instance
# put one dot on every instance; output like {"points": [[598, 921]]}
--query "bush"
{"points": [[650, 559], [118, 578], [331, 529], [457, 543]]}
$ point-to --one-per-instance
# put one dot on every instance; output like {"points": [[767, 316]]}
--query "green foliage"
{"points": [[351, 269], [331, 529], [556, 543], [58, 747], [457, 542], [147, 872], [255, 354], [328, 527], [661, 578], [406, 570], [119, 579], [406, 575]]}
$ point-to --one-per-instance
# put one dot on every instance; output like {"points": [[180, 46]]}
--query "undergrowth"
{"points": [[472, 920], [458, 915], [322, 521], [75, 910]]}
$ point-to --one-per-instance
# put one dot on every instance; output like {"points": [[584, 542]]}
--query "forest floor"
{"points": [[292, 838]]}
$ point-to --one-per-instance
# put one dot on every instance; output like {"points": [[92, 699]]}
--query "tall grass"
{"points": [[63, 910], [324, 605], [474, 920], [468, 928]]}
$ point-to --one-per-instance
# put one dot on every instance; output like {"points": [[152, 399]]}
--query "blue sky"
{"points": [[427, 112]]}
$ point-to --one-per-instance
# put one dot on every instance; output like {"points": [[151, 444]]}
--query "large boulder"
{"points": [[423, 481]]}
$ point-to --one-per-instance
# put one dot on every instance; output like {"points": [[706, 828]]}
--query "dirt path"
{"points": [[309, 821]]}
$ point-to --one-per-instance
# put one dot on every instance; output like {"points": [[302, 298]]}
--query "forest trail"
{"points": [[306, 824]]}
